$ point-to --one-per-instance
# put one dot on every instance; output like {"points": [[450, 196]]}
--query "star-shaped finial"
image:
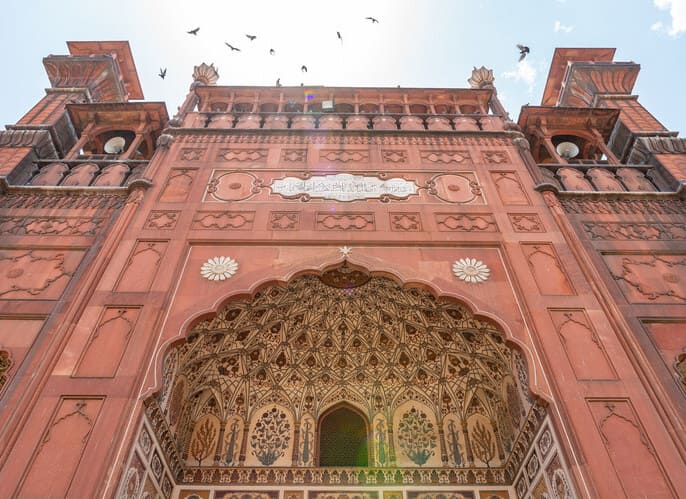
{"points": [[345, 250]]}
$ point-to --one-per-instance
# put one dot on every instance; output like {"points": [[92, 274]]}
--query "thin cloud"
{"points": [[677, 11], [525, 72], [559, 27]]}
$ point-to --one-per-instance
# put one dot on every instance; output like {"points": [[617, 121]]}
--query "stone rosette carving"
{"points": [[471, 270], [219, 268]]}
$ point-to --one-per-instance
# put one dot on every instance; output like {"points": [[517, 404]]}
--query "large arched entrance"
{"points": [[443, 399]]}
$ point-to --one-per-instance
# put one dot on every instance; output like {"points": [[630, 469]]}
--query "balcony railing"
{"points": [[89, 172], [602, 177], [345, 121]]}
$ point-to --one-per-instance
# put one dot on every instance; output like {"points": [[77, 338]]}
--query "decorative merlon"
{"points": [[205, 75], [481, 78]]}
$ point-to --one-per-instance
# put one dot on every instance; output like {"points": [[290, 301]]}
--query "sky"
{"points": [[416, 43]]}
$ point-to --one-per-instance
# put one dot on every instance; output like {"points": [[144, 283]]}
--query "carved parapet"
{"points": [[644, 147], [39, 140]]}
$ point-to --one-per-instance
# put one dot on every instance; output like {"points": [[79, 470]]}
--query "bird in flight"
{"points": [[232, 47], [163, 73], [193, 31], [523, 50], [372, 20], [338, 34], [252, 37], [303, 68], [278, 82], [272, 51]]}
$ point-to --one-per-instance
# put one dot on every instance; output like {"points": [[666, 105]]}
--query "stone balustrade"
{"points": [[603, 177], [82, 173], [345, 121]]}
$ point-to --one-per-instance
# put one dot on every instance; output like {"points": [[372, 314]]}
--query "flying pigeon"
{"points": [[303, 68], [232, 47], [372, 20], [252, 37], [163, 73], [338, 34], [193, 31], [523, 50], [272, 51]]}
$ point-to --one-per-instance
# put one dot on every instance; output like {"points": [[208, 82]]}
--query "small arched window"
{"points": [[343, 438]]}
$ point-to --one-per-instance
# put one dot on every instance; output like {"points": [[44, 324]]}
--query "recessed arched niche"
{"points": [[308, 378]]}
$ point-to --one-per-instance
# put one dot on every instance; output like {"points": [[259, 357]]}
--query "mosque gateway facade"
{"points": [[329, 293]]}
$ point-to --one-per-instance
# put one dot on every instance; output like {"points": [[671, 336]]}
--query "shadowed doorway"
{"points": [[343, 439]]}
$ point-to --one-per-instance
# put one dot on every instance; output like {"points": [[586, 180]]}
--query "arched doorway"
{"points": [[343, 438], [423, 382]]}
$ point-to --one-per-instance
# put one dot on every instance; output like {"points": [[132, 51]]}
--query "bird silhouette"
{"points": [[338, 34], [252, 37], [232, 47], [272, 51], [372, 20], [163, 73], [193, 31], [523, 50], [278, 82], [303, 68]]}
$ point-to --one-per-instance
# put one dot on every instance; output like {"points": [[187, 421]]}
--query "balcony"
{"points": [[345, 121], [93, 171], [598, 176]]}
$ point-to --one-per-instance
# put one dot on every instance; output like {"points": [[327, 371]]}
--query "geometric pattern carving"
{"points": [[221, 220], [36, 274], [466, 223], [5, 364], [58, 226], [445, 157], [394, 156], [162, 220], [635, 231], [241, 155], [344, 156], [62, 200], [298, 349], [65, 439], [558, 479], [509, 188], [462, 188], [495, 157], [649, 278], [294, 155], [627, 445], [284, 220], [141, 266], [107, 344], [546, 269], [526, 222], [582, 345], [587, 206], [345, 221], [191, 154], [405, 222]]}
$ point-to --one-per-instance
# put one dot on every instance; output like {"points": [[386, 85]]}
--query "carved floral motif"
{"points": [[471, 270], [219, 268]]}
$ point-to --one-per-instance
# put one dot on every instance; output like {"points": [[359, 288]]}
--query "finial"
{"points": [[205, 75], [481, 78]]}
